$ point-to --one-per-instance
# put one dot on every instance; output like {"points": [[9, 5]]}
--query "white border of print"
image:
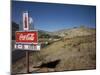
{"points": [[5, 37]]}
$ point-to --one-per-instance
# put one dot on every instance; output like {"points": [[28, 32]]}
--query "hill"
{"points": [[72, 32]]}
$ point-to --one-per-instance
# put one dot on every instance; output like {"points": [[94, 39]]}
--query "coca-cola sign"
{"points": [[27, 37]]}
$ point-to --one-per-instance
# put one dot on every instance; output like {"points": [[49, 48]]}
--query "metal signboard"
{"points": [[29, 37]]}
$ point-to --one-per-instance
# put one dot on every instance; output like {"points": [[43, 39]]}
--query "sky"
{"points": [[53, 17]]}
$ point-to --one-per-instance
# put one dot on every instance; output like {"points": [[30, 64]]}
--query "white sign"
{"points": [[28, 47]]}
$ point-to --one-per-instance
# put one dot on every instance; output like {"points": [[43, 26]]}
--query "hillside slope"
{"points": [[75, 51]]}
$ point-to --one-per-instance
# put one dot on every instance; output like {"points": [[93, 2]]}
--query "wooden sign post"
{"points": [[27, 61], [26, 28]]}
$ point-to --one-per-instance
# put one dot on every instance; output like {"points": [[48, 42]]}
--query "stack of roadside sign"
{"points": [[27, 39]]}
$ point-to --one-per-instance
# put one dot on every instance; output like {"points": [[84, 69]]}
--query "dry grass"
{"points": [[74, 53]]}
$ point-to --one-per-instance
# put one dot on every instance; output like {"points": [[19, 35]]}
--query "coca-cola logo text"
{"points": [[28, 36]]}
